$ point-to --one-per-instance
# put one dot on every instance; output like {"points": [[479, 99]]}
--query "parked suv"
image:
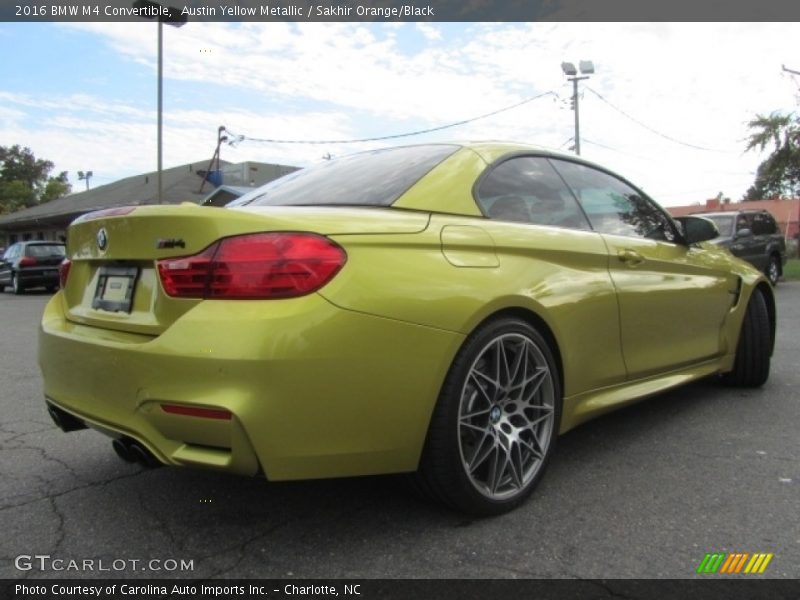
{"points": [[753, 236], [31, 264]]}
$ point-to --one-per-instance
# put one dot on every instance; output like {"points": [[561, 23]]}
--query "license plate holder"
{"points": [[115, 287]]}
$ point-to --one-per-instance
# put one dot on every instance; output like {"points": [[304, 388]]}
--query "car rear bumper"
{"points": [[312, 390], [38, 277]]}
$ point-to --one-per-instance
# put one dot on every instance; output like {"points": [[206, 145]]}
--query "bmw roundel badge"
{"points": [[102, 239]]}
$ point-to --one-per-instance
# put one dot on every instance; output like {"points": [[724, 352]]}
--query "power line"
{"points": [[663, 135], [241, 138]]}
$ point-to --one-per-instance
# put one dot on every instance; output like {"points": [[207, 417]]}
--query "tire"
{"points": [[16, 286], [773, 271], [754, 349], [495, 423]]}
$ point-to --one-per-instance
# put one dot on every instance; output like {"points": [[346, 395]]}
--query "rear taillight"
{"points": [[63, 272], [27, 261], [254, 266]]}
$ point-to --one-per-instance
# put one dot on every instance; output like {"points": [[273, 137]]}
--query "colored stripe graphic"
{"points": [[734, 562]]}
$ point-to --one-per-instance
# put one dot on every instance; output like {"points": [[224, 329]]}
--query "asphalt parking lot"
{"points": [[642, 493]]}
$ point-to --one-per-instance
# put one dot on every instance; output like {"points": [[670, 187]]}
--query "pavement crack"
{"points": [[92, 484]]}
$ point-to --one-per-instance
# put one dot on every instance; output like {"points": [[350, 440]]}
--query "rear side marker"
{"points": [[194, 411]]}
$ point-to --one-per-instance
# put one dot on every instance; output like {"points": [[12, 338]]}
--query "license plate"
{"points": [[115, 287]]}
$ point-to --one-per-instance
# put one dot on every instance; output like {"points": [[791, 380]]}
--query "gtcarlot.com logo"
{"points": [[45, 562], [732, 563]]}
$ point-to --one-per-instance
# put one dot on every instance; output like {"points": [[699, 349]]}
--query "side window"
{"points": [[743, 222], [526, 189], [614, 207], [763, 224]]}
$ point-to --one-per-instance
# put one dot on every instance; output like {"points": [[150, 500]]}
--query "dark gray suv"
{"points": [[753, 236]]}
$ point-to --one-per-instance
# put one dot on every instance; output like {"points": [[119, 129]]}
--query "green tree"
{"points": [[55, 188], [778, 176], [25, 180]]}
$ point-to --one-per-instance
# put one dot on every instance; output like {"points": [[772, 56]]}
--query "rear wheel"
{"points": [[496, 421], [751, 368], [773, 270], [16, 286]]}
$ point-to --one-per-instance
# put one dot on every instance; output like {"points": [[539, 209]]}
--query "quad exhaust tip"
{"points": [[128, 449], [132, 451], [63, 420]]}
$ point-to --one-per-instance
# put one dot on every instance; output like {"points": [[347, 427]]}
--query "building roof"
{"points": [[179, 184]]}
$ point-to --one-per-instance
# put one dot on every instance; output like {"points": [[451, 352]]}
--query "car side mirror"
{"points": [[697, 229], [743, 233]]}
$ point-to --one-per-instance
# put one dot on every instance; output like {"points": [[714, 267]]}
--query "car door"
{"points": [[672, 298], [5, 264], [760, 240], [562, 264], [745, 244]]}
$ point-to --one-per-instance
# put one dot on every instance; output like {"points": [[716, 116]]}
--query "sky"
{"points": [[667, 106]]}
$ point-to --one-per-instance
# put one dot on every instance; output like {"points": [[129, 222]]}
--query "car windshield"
{"points": [[375, 178], [723, 222], [42, 250]]}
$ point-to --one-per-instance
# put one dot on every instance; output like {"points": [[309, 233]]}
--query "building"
{"points": [[786, 212], [186, 183]]}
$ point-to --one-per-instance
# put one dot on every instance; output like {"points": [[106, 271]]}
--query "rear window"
{"points": [[375, 178], [44, 250]]}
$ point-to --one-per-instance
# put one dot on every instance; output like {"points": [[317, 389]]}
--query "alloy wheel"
{"points": [[506, 416], [773, 271]]}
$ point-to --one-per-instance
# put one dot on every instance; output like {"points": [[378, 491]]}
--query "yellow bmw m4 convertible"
{"points": [[441, 309]]}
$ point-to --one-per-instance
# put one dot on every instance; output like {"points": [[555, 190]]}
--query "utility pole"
{"points": [[587, 68], [171, 16]]}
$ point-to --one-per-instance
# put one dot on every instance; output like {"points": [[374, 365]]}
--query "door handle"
{"points": [[630, 257]]}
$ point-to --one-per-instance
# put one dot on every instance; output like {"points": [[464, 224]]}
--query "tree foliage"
{"points": [[26, 181], [778, 176]]}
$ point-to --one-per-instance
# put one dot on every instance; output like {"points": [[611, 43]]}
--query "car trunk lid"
{"points": [[113, 277]]}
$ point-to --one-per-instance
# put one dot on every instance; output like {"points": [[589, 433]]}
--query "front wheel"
{"points": [[753, 352], [496, 420]]}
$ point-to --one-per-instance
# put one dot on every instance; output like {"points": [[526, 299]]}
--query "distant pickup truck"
{"points": [[754, 236]]}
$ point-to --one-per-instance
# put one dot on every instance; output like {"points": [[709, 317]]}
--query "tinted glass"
{"points": [[613, 206], [43, 250], [744, 222], [527, 189], [723, 222], [375, 178], [763, 224]]}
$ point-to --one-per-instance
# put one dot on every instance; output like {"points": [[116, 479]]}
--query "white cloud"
{"points": [[696, 83]]}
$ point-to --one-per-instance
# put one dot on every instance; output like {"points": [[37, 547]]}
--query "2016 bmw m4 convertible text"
{"points": [[442, 309]]}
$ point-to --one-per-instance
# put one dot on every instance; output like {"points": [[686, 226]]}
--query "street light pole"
{"points": [[587, 68], [176, 19], [160, 108]]}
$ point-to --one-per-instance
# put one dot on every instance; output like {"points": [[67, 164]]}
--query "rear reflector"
{"points": [[63, 272], [195, 411], [27, 261], [254, 266]]}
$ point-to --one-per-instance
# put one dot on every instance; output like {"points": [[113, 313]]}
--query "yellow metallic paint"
{"points": [[344, 381]]}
